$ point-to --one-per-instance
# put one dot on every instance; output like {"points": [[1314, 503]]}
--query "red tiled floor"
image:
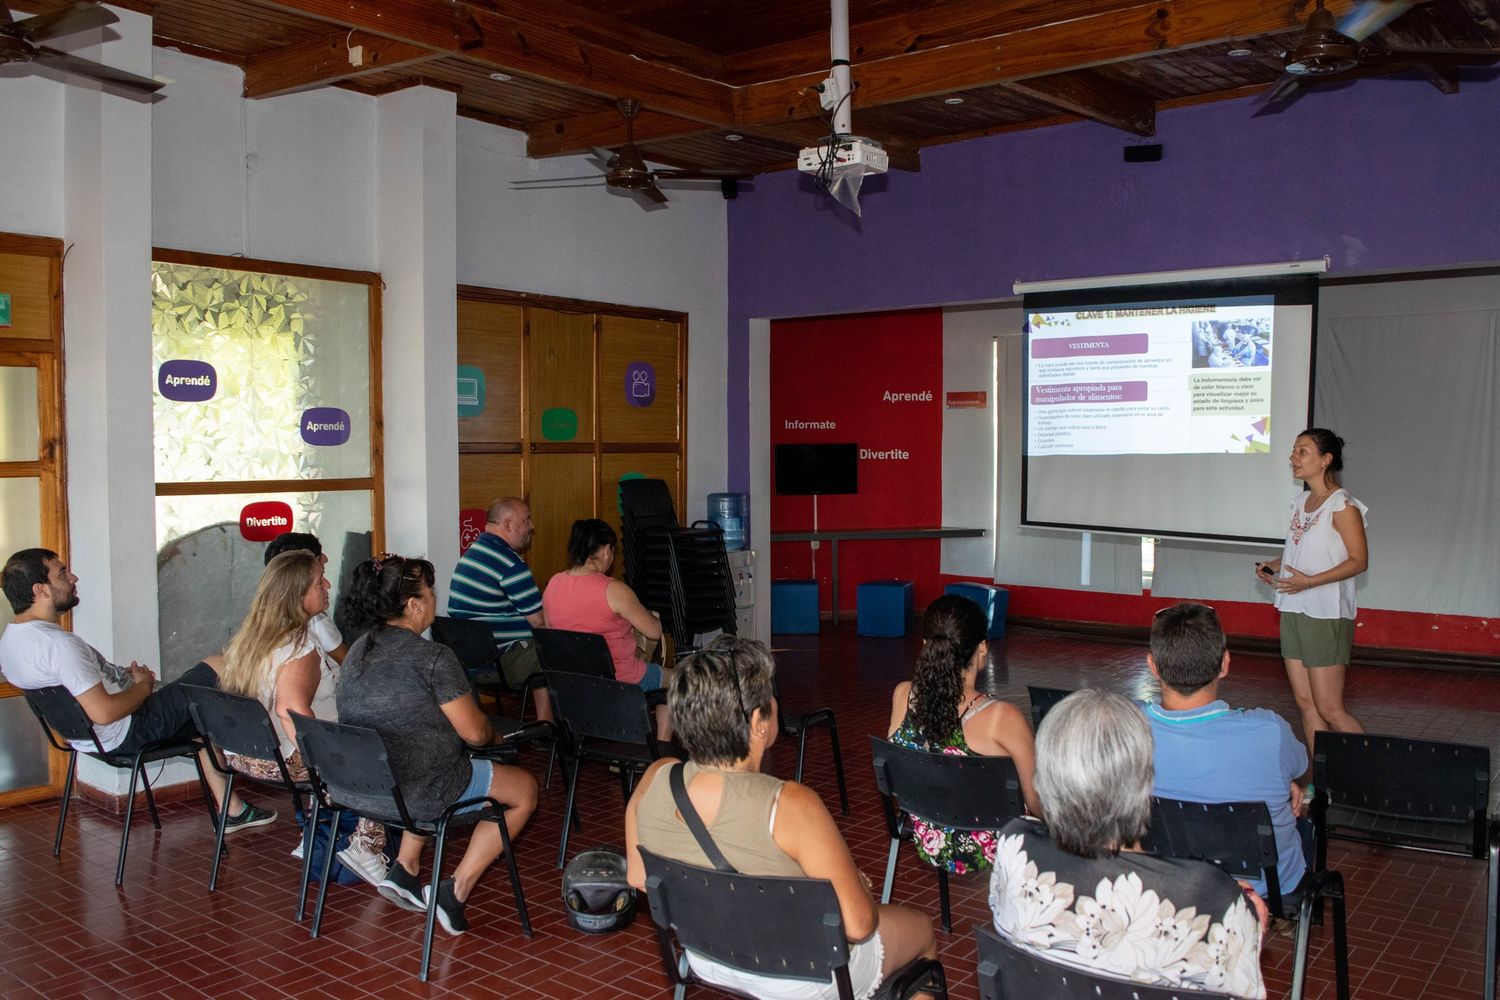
{"points": [[1415, 921]]}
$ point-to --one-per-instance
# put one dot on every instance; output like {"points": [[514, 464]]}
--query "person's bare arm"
{"points": [[1010, 733], [468, 721], [635, 868], [296, 684], [337, 653], [103, 708], [538, 620], [806, 832], [623, 602], [899, 700]]}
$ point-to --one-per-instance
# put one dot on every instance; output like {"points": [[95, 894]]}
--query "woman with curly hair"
{"points": [[941, 710]]}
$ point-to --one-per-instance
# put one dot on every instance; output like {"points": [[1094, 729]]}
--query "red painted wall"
{"points": [[838, 371]]}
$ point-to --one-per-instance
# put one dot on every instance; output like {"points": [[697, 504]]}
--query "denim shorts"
{"points": [[479, 784], [651, 679]]}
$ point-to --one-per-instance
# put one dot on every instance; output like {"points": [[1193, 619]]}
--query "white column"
{"points": [[107, 353], [416, 240]]}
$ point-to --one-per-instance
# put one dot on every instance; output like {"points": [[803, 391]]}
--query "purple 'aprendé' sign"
{"points": [[1068, 347], [325, 425], [186, 381], [640, 383]]}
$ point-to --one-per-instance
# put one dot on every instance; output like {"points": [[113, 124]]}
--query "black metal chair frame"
{"points": [[1042, 700], [239, 725], [477, 653], [63, 719], [1009, 972], [795, 725], [964, 792], [1239, 839], [362, 748], [788, 927], [604, 720], [1394, 792]]}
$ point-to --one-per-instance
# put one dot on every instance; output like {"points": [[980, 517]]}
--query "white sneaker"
{"points": [[367, 865], [297, 851]]}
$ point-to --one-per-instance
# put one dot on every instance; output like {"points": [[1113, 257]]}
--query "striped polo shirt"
{"points": [[493, 584]]}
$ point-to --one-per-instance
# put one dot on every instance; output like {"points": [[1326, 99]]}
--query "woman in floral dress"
{"points": [[940, 710], [1077, 890]]}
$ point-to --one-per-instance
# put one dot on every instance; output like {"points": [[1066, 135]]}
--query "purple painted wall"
{"points": [[1383, 175]]}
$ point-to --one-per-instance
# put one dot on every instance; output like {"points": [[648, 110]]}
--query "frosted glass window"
{"points": [[207, 572], [20, 523], [19, 436], [259, 376], [23, 748]]}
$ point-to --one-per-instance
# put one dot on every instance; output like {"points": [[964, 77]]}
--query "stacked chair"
{"points": [[680, 573]]}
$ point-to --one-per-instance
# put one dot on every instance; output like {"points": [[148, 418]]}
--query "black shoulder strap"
{"points": [[695, 822]]}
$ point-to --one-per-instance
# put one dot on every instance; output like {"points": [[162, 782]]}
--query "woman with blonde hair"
{"points": [[273, 659]]}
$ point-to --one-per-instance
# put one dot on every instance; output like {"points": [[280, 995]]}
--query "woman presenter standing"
{"points": [[1314, 582]]}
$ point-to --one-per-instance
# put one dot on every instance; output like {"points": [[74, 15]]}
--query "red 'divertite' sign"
{"points": [[264, 520]]}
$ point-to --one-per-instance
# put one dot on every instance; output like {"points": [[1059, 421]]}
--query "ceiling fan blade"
{"points": [[96, 71], [606, 158], [535, 186], [1448, 57], [5, 17], [1369, 17], [592, 179], [1287, 88], [671, 174], [68, 21], [653, 193]]}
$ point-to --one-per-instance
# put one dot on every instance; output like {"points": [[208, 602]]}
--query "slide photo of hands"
{"points": [[1237, 343]]}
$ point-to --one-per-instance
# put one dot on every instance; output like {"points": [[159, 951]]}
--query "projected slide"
{"points": [[1151, 378]]}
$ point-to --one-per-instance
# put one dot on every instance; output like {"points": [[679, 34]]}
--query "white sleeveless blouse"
{"points": [[1313, 545]]}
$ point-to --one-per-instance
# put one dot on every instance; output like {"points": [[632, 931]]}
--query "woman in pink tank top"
{"points": [[585, 598]]}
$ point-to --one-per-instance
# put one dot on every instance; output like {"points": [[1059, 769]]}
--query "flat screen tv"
{"points": [[812, 469]]}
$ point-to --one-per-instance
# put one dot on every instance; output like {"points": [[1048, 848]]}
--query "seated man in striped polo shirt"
{"points": [[491, 583]]}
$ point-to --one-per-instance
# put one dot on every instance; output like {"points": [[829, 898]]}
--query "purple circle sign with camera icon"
{"points": [[640, 383]]}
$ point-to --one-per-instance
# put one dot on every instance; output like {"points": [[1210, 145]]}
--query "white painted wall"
{"points": [[589, 243], [31, 158], [969, 452]]}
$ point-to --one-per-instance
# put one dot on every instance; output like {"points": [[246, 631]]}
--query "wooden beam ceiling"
{"points": [[1090, 95], [329, 60]]}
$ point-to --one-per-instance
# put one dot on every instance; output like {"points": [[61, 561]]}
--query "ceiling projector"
{"points": [[843, 152]]}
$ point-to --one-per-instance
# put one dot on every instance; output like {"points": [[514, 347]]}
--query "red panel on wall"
{"points": [[874, 380]]}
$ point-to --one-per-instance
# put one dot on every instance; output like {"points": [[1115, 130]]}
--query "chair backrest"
{"points": [[1008, 972], [471, 641], [234, 723], [769, 925], [1042, 700], [59, 710], [1383, 778], [574, 652], [1236, 837], [966, 793], [353, 766], [601, 708]]}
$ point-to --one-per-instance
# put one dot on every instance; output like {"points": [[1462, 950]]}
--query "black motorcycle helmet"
{"points": [[595, 893]]}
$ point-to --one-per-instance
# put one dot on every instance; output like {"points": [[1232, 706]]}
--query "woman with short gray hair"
{"points": [[1160, 921]]}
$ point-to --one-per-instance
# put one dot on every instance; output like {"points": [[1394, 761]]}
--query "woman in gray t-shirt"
{"points": [[417, 696]]}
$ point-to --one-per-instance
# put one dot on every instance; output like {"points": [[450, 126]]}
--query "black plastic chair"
{"points": [[582, 653], [1007, 972], [242, 726], [602, 720], [786, 927], [1238, 838], [60, 715], [1042, 700], [966, 793], [795, 724], [1417, 795], [474, 645], [351, 768]]}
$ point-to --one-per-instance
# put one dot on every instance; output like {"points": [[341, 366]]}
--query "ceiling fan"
{"points": [[1333, 51], [20, 43], [626, 170]]}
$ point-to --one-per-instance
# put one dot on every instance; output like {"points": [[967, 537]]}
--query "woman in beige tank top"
{"points": [[721, 701]]}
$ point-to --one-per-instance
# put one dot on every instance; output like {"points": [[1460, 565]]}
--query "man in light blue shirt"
{"points": [[1209, 752]]}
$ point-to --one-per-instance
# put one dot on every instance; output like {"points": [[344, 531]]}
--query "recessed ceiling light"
{"points": [[501, 77], [1240, 52], [953, 100], [734, 137]]}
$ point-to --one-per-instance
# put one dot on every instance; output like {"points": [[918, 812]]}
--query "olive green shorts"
{"points": [[519, 661], [1317, 642]]}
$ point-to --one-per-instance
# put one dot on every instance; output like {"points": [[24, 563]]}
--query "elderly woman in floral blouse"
{"points": [[942, 711], [1078, 891]]}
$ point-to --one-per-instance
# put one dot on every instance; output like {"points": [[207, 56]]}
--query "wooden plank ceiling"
{"points": [[730, 85]]}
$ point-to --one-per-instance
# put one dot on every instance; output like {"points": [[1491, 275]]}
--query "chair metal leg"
{"points": [[150, 798], [208, 798], [562, 848], [838, 766], [432, 896], [1491, 916], [1299, 952], [1341, 943], [942, 874], [67, 796], [890, 871], [801, 752], [308, 836], [515, 876], [135, 774], [338, 815], [219, 822]]}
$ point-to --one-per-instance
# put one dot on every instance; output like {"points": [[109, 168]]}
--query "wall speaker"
{"points": [[1148, 153]]}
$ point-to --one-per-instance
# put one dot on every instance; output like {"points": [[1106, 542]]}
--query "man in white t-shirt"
{"points": [[125, 705], [320, 628]]}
